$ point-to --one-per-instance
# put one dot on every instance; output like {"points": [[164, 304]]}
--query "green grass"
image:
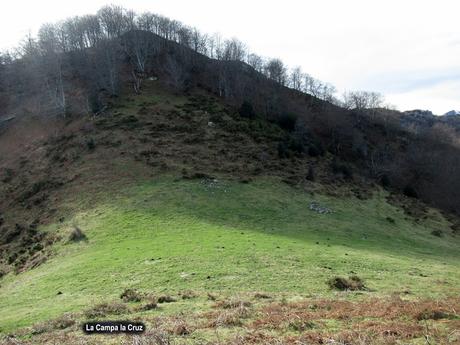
{"points": [[167, 236]]}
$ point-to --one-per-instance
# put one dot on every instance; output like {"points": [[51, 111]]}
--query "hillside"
{"points": [[178, 196], [146, 175], [404, 152]]}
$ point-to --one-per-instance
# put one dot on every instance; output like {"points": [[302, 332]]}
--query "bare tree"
{"points": [[327, 92], [256, 62], [198, 41], [296, 79], [92, 30], [113, 25], [51, 65], [216, 47], [106, 62], [362, 100], [75, 34], [164, 27], [234, 50], [275, 70], [312, 86], [184, 36], [146, 21], [139, 46], [113, 20]]}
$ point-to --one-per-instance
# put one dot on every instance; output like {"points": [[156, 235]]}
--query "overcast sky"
{"points": [[409, 50]]}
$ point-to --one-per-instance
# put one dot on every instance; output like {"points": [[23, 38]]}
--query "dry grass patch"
{"points": [[106, 308], [230, 314], [152, 304], [188, 295], [62, 322], [150, 338], [131, 295], [180, 327]]}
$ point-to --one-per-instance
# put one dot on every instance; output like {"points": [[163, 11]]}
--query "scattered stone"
{"points": [[316, 207]]}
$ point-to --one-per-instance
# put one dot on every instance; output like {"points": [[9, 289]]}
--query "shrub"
{"points": [[94, 102], [3, 270], [437, 233], [455, 227], [311, 174], [148, 306], [8, 175], [233, 311], [215, 118], [77, 235], [390, 220], [434, 315], [104, 309], [246, 110], [234, 303], [313, 151], [347, 171], [289, 146], [353, 283], [300, 325], [90, 144], [166, 299], [63, 322], [296, 144], [287, 121], [342, 168], [226, 318], [131, 295], [385, 181], [283, 150], [410, 192], [181, 328]]}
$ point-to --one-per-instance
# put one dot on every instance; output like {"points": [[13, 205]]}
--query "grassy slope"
{"points": [[169, 236]]}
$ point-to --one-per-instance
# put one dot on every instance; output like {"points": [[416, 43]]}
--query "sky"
{"points": [[408, 50]]}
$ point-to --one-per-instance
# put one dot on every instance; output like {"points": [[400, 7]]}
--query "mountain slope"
{"points": [[166, 236], [178, 195]]}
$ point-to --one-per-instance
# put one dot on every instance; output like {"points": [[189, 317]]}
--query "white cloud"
{"points": [[432, 98], [355, 44]]}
